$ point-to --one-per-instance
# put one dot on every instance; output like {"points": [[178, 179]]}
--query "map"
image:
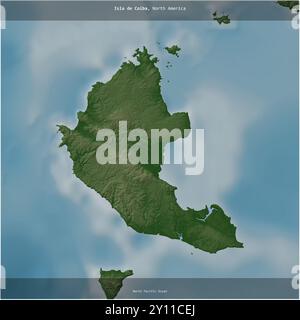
{"points": [[150, 150]]}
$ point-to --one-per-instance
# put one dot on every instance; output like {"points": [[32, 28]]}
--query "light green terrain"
{"points": [[145, 202]]}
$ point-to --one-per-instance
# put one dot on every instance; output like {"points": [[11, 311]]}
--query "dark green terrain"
{"points": [[288, 4], [111, 281], [173, 50], [221, 19]]}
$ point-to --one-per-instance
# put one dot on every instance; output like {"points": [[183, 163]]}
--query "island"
{"points": [[288, 4], [221, 19], [144, 201], [173, 50], [111, 281]]}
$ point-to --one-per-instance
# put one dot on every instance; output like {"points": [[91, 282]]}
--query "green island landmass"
{"points": [[111, 281], [146, 203], [221, 19], [288, 4], [173, 50]]}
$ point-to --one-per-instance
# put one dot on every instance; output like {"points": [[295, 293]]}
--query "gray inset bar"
{"points": [[143, 10], [153, 288]]}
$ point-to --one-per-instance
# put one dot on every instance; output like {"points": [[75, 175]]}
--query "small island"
{"points": [[173, 50], [221, 19], [288, 4], [111, 281]]}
